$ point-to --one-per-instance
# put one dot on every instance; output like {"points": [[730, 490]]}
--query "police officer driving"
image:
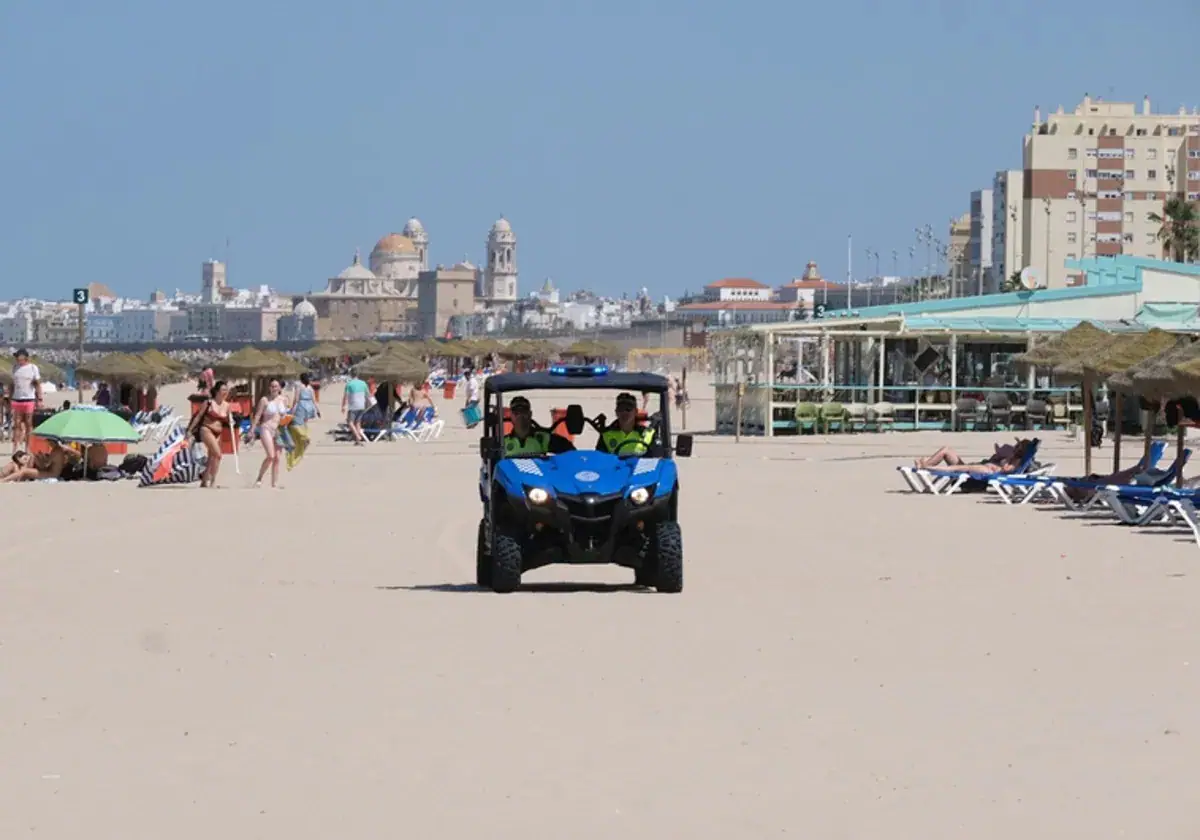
{"points": [[527, 438], [625, 436]]}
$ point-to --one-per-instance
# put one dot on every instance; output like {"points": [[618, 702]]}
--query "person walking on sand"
{"points": [[304, 408], [354, 403], [271, 409], [26, 398], [206, 427], [471, 386]]}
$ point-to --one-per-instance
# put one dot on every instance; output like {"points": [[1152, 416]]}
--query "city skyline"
{"points": [[715, 146]]}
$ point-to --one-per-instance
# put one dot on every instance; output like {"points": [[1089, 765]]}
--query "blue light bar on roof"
{"points": [[578, 370]]}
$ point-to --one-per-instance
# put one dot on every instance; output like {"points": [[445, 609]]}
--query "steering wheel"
{"points": [[635, 442]]}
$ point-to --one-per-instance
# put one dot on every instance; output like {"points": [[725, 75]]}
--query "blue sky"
{"points": [[661, 144]]}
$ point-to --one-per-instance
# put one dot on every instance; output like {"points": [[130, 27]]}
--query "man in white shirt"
{"points": [[26, 397], [472, 389]]}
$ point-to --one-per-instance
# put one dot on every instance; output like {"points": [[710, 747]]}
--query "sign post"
{"points": [[81, 297]]}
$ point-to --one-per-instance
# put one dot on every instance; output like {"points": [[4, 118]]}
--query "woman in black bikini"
{"points": [[206, 428]]}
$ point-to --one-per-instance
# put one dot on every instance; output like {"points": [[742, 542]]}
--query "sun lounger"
{"points": [[1013, 489], [946, 482], [1139, 506], [1092, 495]]}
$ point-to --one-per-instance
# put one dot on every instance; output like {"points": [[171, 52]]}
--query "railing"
{"points": [[919, 407]]}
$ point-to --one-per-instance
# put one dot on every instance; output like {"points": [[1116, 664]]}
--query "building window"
{"points": [[1152, 154], [1151, 238], [1072, 174], [1071, 216], [1072, 154], [1152, 174], [1127, 196], [1071, 236], [1152, 196], [1090, 173], [1129, 217], [1129, 173], [1128, 154], [1070, 255], [1128, 237]]}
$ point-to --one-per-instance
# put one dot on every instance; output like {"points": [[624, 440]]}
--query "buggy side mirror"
{"points": [[574, 419], [489, 450], [683, 446]]}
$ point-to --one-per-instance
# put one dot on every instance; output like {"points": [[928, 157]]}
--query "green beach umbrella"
{"points": [[87, 424]]}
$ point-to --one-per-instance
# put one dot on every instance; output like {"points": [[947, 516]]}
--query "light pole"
{"points": [[1046, 206], [936, 279], [895, 273], [872, 253], [912, 267], [924, 237]]}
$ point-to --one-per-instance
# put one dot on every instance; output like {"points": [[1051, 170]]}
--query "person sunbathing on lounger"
{"points": [[1005, 458]]}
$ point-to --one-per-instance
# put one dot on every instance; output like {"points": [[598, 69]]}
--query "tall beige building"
{"points": [[1093, 176]]}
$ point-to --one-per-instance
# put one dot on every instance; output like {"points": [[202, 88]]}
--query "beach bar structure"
{"points": [[918, 360]]}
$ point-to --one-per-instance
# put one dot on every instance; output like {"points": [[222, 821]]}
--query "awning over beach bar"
{"points": [[921, 358]]}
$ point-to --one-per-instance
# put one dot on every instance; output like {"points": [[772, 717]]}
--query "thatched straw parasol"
{"points": [[1126, 351], [246, 363], [1063, 346], [393, 366], [158, 358], [1155, 378], [325, 351], [285, 364], [124, 368], [592, 349], [527, 348]]}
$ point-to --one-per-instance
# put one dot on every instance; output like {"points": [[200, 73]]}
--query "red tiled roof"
{"points": [[736, 283], [716, 305]]}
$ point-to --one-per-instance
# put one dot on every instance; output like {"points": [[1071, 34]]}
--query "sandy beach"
{"points": [[846, 661]]}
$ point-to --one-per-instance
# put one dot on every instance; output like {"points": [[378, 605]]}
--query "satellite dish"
{"points": [[1030, 279]]}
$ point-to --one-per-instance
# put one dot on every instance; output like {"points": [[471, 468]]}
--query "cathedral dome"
{"points": [[413, 228], [502, 226], [394, 243], [357, 271], [304, 309]]}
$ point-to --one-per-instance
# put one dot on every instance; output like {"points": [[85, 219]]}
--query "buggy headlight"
{"points": [[538, 496], [639, 495]]}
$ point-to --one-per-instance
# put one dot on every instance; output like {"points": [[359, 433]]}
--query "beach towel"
{"points": [[300, 441], [173, 463]]}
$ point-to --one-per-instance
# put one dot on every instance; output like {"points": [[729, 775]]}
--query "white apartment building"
{"points": [[1093, 176], [1008, 222], [135, 326], [979, 243], [737, 288]]}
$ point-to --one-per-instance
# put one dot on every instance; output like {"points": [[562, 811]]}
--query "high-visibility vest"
{"points": [[615, 441], [538, 443]]}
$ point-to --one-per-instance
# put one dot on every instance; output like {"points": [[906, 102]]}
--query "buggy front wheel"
{"points": [[483, 559], [506, 563], [668, 557]]}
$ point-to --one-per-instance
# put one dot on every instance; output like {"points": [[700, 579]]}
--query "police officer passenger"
{"points": [[625, 435], [528, 438]]}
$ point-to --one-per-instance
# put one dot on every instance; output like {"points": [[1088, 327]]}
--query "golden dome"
{"points": [[394, 243]]}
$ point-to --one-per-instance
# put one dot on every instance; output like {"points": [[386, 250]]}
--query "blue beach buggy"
{"points": [[581, 506]]}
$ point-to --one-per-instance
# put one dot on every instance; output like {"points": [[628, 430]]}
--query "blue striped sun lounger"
{"points": [[1023, 489]]}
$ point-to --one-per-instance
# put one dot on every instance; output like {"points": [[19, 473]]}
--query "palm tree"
{"points": [[1179, 230], [1013, 283]]}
